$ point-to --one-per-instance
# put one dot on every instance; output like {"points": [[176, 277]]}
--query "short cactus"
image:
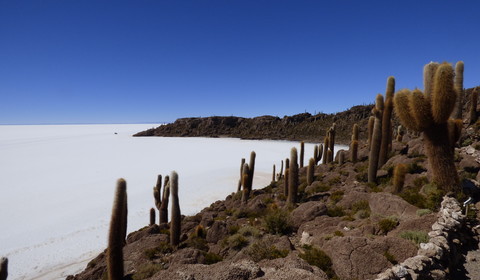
{"points": [[428, 113], [293, 178], [302, 152], [376, 140], [399, 177], [354, 144], [310, 171], [175, 224], [152, 216], [3, 268], [165, 200], [115, 236], [341, 157]]}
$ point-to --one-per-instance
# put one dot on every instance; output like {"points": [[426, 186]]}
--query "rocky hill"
{"points": [[304, 126]]}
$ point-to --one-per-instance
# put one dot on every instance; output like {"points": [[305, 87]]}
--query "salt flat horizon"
{"points": [[57, 184]]}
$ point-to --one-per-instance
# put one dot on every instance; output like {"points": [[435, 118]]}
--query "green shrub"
{"points": [[233, 229], [147, 270], [196, 242], [211, 258], [334, 180], [413, 197], [420, 181], [317, 257], [261, 250], [338, 233], [360, 205], [362, 177], [237, 241], [416, 236], [336, 196], [335, 211], [387, 224], [249, 231], [415, 168], [391, 258], [278, 222], [162, 248], [423, 212]]}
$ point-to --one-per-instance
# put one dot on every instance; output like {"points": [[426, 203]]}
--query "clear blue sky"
{"points": [[99, 61]]}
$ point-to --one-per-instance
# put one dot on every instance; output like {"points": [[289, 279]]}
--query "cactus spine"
{"points": [[293, 178], [399, 177], [163, 213], [458, 86], [302, 152], [310, 171], [473, 106], [429, 113], [354, 144], [115, 235], [3, 268], [376, 140], [287, 172], [152, 216], [387, 122], [239, 188], [175, 224]]}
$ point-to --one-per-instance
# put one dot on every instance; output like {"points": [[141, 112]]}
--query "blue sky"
{"points": [[102, 61]]}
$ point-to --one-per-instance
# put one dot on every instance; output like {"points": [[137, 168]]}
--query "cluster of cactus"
{"points": [[473, 106], [162, 198], [175, 220], [117, 232], [3, 268], [293, 178], [380, 140], [247, 177], [354, 144], [429, 112]]}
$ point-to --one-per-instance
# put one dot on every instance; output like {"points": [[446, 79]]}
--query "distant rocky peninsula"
{"points": [[305, 126]]}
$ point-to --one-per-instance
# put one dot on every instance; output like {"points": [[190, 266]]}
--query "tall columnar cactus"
{"points": [[429, 113], [157, 190], [280, 174], [310, 171], [473, 106], [152, 216], [115, 235], [165, 199], [273, 174], [320, 153], [239, 188], [376, 140], [354, 144], [325, 150], [287, 172], [175, 224], [293, 178], [3, 268], [458, 86], [251, 165], [387, 122], [302, 152], [315, 154], [371, 123], [341, 157], [331, 141], [399, 177], [247, 187]]}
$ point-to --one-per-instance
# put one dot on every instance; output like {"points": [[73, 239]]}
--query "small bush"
{"points": [[391, 258], [416, 236], [387, 224], [260, 250], [197, 243], [233, 229], [249, 231], [336, 196], [414, 198], [423, 212], [362, 177], [420, 181], [147, 270], [334, 180], [338, 233], [415, 168], [162, 248], [335, 211], [278, 222], [360, 205], [237, 241], [211, 258], [317, 257]]}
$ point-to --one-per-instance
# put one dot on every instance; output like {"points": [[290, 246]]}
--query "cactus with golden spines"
{"points": [[175, 224], [387, 122], [116, 238], [325, 150], [473, 106], [458, 86], [371, 122], [354, 144], [293, 178], [399, 177], [163, 213], [310, 171], [152, 216], [376, 140], [200, 232], [302, 152], [3, 268], [429, 113], [239, 188]]}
